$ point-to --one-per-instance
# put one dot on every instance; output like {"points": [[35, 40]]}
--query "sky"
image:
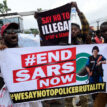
{"points": [[93, 9]]}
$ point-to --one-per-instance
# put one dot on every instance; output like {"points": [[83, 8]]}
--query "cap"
{"points": [[9, 25]]}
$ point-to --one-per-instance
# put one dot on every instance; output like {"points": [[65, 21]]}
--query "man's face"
{"points": [[11, 37], [95, 52], [104, 31], [75, 31]]}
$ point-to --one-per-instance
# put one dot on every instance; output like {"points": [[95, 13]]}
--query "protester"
{"points": [[91, 35], [103, 29], [1, 79], [101, 98], [10, 38], [79, 37], [89, 40], [98, 38]]}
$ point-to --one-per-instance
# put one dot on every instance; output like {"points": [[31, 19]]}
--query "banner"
{"points": [[54, 25], [43, 73]]}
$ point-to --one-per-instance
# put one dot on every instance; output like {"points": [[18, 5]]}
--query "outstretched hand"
{"points": [[74, 4]]}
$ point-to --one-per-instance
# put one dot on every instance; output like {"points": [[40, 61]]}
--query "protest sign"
{"points": [[54, 25], [43, 73]]}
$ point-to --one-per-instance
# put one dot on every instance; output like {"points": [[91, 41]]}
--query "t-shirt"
{"points": [[5, 101]]}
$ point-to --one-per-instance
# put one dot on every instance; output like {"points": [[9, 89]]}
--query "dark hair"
{"points": [[74, 24], [103, 25], [97, 32], [95, 48]]}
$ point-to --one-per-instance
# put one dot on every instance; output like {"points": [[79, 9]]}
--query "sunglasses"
{"points": [[10, 31]]}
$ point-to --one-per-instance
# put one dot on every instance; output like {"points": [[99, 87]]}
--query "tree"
{"points": [[39, 9], [27, 32], [34, 31], [4, 8], [1, 8]]}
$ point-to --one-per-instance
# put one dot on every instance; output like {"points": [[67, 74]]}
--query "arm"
{"points": [[87, 68], [103, 61], [89, 72], [84, 22]]}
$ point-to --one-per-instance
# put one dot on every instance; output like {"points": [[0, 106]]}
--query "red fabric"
{"points": [[3, 28], [98, 40]]}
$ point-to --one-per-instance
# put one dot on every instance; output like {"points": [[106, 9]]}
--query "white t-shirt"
{"points": [[25, 40]]}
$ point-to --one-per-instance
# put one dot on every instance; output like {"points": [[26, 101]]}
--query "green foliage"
{"points": [[27, 32], [34, 31], [4, 8], [39, 9], [1, 8]]}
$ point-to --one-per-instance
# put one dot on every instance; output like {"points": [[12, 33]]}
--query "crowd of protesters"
{"points": [[85, 35]]}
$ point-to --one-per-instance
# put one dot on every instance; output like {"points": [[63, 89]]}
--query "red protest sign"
{"points": [[46, 57]]}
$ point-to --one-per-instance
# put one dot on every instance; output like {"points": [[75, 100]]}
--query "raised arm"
{"points": [[84, 22]]}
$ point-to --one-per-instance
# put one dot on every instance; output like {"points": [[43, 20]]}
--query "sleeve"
{"points": [[88, 63], [84, 23], [103, 58]]}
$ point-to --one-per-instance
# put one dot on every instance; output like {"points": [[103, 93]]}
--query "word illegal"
{"points": [[55, 27]]}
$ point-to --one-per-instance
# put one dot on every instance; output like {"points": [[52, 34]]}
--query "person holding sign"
{"points": [[101, 98], [78, 37], [9, 33]]}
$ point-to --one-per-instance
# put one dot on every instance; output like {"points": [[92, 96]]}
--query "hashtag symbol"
{"points": [[12, 96], [30, 60]]}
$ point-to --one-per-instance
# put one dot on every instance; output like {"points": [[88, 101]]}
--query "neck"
{"points": [[95, 56], [74, 39]]}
